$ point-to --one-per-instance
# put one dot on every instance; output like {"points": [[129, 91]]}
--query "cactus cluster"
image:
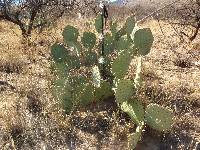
{"points": [[82, 51]]}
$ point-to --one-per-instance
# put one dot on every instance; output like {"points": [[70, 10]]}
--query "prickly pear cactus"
{"points": [[106, 78], [104, 91]]}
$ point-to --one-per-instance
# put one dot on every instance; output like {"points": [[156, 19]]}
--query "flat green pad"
{"points": [[70, 34], [134, 138], [61, 69], [84, 94], [113, 27], [121, 64], [91, 58], [143, 40], [104, 91], [59, 52], [62, 91], [134, 109], [130, 24], [158, 117], [88, 40], [73, 62], [108, 44], [98, 23], [123, 43], [124, 91]]}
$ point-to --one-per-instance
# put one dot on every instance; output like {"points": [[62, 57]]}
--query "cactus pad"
{"points": [[62, 92], [123, 43], [134, 138], [158, 117], [67, 103], [61, 69], [84, 94], [73, 62], [130, 24], [98, 23], [113, 27], [58, 52], [88, 40], [90, 58], [108, 44], [70, 34], [134, 109], [143, 40], [78, 80], [121, 64], [124, 91], [104, 91]]}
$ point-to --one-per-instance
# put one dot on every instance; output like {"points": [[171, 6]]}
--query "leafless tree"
{"points": [[31, 14], [184, 17]]}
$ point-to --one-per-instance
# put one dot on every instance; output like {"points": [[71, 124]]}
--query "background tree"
{"points": [[31, 14], [184, 17]]}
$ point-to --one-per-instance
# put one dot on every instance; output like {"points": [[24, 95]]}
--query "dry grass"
{"points": [[31, 119]]}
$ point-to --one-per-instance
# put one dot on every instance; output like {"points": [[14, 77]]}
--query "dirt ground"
{"points": [[30, 119]]}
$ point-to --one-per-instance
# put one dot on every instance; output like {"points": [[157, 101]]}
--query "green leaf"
{"points": [[158, 117], [98, 23], [143, 40], [124, 91], [59, 52], [88, 40], [70, 34], [134, 109]]}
